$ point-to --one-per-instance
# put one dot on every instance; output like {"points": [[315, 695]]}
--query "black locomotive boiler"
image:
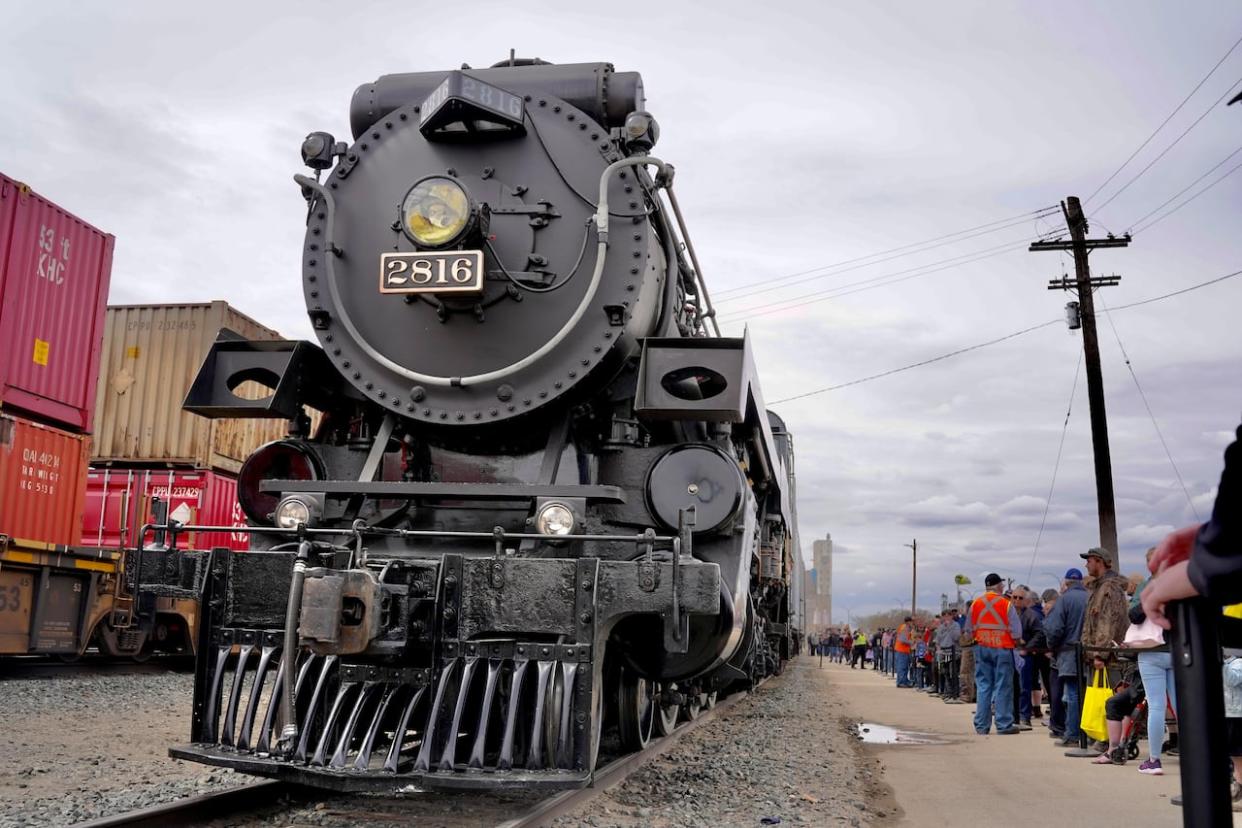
{"points": [[544, 506]]}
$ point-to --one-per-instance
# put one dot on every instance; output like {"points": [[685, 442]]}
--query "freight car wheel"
{"points": [[636, 710]]}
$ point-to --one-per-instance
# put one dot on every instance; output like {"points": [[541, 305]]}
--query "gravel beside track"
{"points": [[84, 745], [786, 752]]}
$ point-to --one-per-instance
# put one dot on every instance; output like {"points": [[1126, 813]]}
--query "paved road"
{"points": [[970, 779]]}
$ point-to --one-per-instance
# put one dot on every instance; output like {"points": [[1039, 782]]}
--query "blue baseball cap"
{"points": [[1073, 574]]}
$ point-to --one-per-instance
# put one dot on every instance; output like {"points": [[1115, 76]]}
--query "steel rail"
{"points": [[208, 806], [266, 794], [616, 771]]}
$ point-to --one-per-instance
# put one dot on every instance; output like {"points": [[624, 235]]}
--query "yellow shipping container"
{"points": [[151, 354]]}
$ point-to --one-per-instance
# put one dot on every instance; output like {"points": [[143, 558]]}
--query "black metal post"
{"points": [[1082, 751], [1203, 753]]}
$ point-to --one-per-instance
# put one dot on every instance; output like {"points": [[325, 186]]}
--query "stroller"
{"points": [[1136, 730]]}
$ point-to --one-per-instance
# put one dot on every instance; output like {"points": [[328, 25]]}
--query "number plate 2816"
{"points": [[441, 271]]}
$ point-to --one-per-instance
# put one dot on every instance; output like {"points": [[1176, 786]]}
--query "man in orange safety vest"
{"points": [[996, 629]]}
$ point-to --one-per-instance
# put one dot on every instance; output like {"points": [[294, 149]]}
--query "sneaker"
{"points": [[1152, 768], [1036, 713], [1025, 724], [1118, 755], [1009, 731], [1056, 734], [1235, 793]]}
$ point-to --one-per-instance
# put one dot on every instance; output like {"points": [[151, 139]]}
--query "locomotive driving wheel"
{"points": [[636, 710], [666, 712]]}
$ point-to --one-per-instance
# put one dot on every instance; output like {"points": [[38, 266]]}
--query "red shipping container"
{"points": [[54, 274], [42, 481], [118, 505]]}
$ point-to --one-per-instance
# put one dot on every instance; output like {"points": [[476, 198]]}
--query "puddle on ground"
{"points": [[878, 734]]}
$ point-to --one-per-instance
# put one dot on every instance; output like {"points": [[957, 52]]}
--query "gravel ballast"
{"points": [[786, 754], [91, 744]]}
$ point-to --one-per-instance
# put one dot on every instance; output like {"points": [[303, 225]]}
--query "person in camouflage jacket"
{"points": [[1107, 615]]}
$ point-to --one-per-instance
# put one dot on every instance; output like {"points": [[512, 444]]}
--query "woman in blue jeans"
{"points": [[1156, 668]]}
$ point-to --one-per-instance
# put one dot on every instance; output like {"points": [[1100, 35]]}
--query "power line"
{"points": [[1154, 423], [1175, 293], [1154, 222], [1055, 468], [765, 285], [1165, 121], [1165, 151], [921, 363], [1181, 192], [877, 281]]}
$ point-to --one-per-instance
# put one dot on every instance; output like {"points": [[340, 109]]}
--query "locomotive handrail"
{"points": [[174, 528], [601, 225], [707, 311]]}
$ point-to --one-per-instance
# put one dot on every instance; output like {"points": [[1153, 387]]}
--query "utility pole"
{"points": [[1083, 285], [914, 575]]}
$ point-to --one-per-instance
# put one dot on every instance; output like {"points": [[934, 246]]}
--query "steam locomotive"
{"points": [[544, 507]]}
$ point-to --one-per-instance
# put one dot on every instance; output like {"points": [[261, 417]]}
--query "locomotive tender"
{"points": [[545, 507]]}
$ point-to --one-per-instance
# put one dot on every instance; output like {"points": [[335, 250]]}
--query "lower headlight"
{"points": [[291, 513], [555, 519]]}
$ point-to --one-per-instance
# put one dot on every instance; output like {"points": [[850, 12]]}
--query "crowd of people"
{"points": [[1023, 657]]}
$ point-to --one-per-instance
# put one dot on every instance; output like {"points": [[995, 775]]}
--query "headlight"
{"points": [[291, 512], [554, 519], [435, 212]]}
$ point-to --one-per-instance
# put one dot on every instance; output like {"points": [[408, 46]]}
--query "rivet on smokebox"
{"points": [[418, 393], [586, 618], [504, 392]]}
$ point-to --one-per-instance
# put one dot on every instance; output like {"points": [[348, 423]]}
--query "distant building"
{"points": [[819, 586]]}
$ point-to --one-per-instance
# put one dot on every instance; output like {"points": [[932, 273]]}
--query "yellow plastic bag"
{"points": [[1093, 723]]}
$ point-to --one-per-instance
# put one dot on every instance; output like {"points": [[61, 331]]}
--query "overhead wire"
{"points": [[876, 281], [1185, 189], [1155, 424], [1013, 335], [1056, 467], [826, 271], [1163, 123], [919, 364], [1156, 221], [1165, 151]]}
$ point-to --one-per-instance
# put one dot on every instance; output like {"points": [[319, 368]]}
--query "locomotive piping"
{"points": [[289, 733]]}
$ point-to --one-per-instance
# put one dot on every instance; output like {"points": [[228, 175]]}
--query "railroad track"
{"points": [[42, 667], [262, 796]]}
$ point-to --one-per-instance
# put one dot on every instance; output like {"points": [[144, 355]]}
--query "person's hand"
{"points": [[1099, 663], [1172, 584], [1174, 548]]}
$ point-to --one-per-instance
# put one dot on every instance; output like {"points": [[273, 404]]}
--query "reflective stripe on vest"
{"points": [[989, 616]]}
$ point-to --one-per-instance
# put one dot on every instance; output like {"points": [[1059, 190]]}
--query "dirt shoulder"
{"points": [[784, 753]]}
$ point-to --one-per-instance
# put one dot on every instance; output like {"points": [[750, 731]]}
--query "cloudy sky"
{"points": [[806, 135]]}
